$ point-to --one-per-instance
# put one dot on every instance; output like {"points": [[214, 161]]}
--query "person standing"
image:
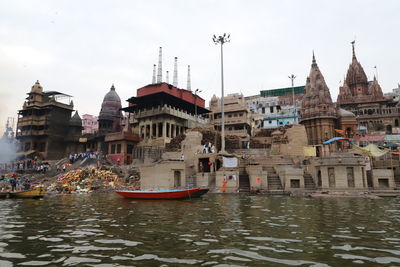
{"points": [[13, 183]]}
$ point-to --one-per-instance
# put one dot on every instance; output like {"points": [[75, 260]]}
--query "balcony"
{"points": [[32, 120], [234, 120], [31, 133], [168, 110]]}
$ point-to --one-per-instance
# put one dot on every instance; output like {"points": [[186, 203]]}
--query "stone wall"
{"points": [[232, 185], [257, 177], [162, 175], [383, 179]]}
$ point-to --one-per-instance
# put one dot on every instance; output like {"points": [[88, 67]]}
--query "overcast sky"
{"points": [[82, 47]]}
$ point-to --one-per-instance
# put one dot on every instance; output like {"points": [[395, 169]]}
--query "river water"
{"points": [[217, 230]]}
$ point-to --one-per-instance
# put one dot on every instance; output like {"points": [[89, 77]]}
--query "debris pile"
{"points": [[87, 180], [175, 143], [232, 142]]}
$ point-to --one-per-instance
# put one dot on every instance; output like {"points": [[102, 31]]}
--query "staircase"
{"points": [[274, 183], [397, 181], [244, 183], [308, 181]]}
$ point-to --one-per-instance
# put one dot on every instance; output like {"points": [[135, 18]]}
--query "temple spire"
{"points": [[314, 62], [354, 53]]}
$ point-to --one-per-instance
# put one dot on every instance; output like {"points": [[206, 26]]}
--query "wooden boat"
{"points": [[3, 194], [37, 192], [200, 192], [160, 194]]}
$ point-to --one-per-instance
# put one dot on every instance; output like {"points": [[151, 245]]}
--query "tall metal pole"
{"points": [[221, 40], [195, 104], [292, 77]]}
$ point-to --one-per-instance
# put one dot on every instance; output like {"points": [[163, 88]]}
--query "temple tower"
{"points": [[110, 113], [318, 113]]}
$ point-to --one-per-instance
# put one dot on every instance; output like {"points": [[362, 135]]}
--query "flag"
{"points": [[341, 132]]}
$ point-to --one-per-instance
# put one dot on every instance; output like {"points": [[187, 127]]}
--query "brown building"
{"points": [[44, 125], [237, 116], [318, 113], [365, 99]]}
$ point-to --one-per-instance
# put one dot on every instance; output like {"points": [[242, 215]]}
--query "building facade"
{"points": [[90, 124], [161, 111], [44, 123], [237, 116], [274, 108]]}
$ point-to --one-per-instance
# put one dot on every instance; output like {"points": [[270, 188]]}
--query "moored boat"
{"points": [[37, 192], [200, 192], [160, 194]]}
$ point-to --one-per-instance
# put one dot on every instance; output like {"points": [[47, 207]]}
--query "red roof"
{"points": [[183, 94]]}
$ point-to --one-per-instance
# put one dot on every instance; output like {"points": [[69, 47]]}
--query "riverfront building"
{"points": [[90, 124], [161, 111], [275, 107], [44, 126], [237, 116]]}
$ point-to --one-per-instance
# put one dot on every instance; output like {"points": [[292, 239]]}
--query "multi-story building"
{"points": [[161, 111], [365, 99], [276, 106], [44, 123], [237, 116], [90, 124]]}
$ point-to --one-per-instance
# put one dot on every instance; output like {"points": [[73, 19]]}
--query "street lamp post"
{"points": [[221, 40], [195, 103], [292, 77]]}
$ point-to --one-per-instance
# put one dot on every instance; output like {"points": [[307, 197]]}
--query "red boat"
{"points": [[160, 194]]}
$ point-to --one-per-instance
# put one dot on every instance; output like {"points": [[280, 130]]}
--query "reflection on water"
{"points": [[217, 230]]}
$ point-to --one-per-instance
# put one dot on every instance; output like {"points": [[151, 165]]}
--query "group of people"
{"points": [[78, 156], [208, 148], [15, 182], [27, 164]]}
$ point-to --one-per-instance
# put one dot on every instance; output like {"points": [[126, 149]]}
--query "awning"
{"points": [[371, 150]]}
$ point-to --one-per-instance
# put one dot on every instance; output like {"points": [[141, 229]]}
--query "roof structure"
{"points": [[283, 91], [161, 98]]}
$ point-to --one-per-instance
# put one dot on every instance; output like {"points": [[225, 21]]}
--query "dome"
{"points": [[37, 88], [75, 120], [110, 108], [345, 113]]}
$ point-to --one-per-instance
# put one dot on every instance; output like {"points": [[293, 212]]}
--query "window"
{"points": [[112, 149], [118, 148], [177, 179], [294, 183]]}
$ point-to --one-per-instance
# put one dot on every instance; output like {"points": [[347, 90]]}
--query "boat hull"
{"points": [[164, 194], [38, 192], [200, 192]]}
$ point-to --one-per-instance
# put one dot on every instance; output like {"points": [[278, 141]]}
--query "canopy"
{"points": [[371, 150]]}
